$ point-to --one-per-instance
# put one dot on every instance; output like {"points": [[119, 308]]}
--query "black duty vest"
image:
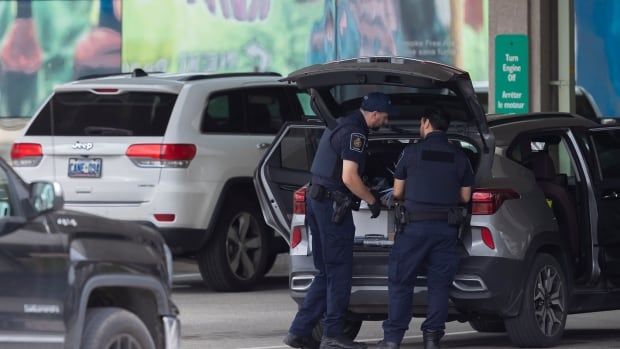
{"points": [[432, 174]]}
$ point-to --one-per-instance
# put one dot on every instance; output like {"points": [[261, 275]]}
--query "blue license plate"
{"points": [[85, 168]]}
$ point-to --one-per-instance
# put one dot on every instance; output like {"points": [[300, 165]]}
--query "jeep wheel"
{"points": [[488, 325], [112, 328], [235, 259], [542, 317], [350, 329]]}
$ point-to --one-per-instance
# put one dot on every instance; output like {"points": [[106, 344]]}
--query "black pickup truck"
{"points": [[73, 280]]}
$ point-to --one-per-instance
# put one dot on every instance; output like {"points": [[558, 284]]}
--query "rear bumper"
{"points": [[483, 285]]}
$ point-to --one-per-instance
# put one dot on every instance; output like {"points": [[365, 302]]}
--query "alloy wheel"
{"points": [[123, 341], [244, 246], [549, 301]]}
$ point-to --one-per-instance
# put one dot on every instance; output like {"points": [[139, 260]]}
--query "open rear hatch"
{"points": [[337, 88]]}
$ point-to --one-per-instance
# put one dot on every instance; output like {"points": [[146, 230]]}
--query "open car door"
{"points": [[284, 168], [606, 182]]}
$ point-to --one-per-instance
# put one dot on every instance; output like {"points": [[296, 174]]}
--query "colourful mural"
{"points": [[44, 43], [48, 42]]}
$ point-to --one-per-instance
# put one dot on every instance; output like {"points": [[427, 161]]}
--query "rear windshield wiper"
{"points": [[106, 131]]}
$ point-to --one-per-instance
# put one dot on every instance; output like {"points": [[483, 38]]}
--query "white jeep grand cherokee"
{"points": [[172, 151]]}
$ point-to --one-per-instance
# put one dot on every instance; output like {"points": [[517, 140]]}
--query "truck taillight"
{"points": [[488, 201], [26, 154], [161, 155], [299, 201]]}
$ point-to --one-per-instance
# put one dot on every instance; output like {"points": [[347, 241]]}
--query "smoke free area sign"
{"points": [[511, 74]]}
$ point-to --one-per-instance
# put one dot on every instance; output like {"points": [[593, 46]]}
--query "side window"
{"points": [[223, 114], [304, 100], [6, 208], [298, 147], [553, 147], [265, 109], [607, 144]]}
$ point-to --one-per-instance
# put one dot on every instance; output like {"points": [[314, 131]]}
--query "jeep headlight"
{"points": [[169, 266]]}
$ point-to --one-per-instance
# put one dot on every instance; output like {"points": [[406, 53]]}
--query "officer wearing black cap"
{"points": [[336, 178], [434, 177]]}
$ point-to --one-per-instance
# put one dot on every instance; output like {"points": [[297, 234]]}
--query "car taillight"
{"points": [[299, 201], [296, 237], [488, 201], [26, 154], [161, 155], [164, 217], [487, 237]]}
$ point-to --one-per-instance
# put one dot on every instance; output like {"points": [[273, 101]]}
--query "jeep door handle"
{"points": [[611, 195], [262, 146]]}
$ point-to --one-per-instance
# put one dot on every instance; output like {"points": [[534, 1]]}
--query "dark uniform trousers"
{"points": [[432, 243], [332, 251]]}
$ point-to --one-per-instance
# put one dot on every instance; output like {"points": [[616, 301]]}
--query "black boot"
{"points": [[341, 343], [295, 341], [431, 339], [387, 345]]}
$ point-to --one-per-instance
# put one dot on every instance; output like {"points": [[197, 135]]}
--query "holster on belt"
{"points": [[342, 202]]}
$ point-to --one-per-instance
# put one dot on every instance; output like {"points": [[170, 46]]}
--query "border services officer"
{"points": [[434, 176], [336, 179]]}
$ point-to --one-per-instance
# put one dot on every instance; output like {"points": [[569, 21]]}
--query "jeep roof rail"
{"points": [[138, 72], [226, 75]]}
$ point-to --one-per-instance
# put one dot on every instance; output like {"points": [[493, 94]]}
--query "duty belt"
{"points": [[427, 216]]}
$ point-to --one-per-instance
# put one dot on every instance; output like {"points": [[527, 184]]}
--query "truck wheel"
{"points": [[542, 317], [235, 258], [111, 328], [350, 329], [488, 325]]}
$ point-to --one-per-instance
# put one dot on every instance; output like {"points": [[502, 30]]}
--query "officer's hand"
{"points": [[375, 208]]}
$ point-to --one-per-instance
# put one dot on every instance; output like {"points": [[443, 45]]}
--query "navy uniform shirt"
{"points": [[434, 171], [347, 141]]}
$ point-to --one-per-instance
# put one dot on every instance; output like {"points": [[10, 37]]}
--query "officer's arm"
{"points": [[465, 194], [353, 182], [399, 189]]}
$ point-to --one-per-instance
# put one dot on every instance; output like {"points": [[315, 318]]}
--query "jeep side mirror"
{"points": [[46, 196]]}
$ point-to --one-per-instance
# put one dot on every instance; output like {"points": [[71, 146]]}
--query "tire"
{"points": [[271, 260], [108, 328], [545, 293], [236, 257], [350, 329], [488, 325]]}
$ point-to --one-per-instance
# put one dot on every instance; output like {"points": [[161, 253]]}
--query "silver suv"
{"points": [[173, 151], [542, 241]]}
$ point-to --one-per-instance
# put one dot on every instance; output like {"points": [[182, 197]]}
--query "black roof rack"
{"points": [[138, 72], [226, 75]]}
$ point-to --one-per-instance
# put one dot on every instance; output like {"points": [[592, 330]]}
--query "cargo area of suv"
{"points": [[337, 88]]}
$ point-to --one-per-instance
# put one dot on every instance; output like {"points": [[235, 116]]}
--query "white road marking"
{"points": [[368, 340]]}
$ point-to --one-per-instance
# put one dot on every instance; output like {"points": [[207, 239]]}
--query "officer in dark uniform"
{"points": [[336, 180], [434, 177]]}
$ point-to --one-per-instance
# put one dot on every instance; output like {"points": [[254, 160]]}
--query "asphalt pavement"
{"points": [[260, 319]]}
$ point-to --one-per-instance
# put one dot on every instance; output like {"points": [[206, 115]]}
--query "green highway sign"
{"points": [[511, 74]]}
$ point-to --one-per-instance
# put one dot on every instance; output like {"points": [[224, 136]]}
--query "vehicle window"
{"points": [[304, 100], [5, 199], [223, 114], [298, 147], [265, 110], [607, 144], [554, 145], [91, 114]]}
